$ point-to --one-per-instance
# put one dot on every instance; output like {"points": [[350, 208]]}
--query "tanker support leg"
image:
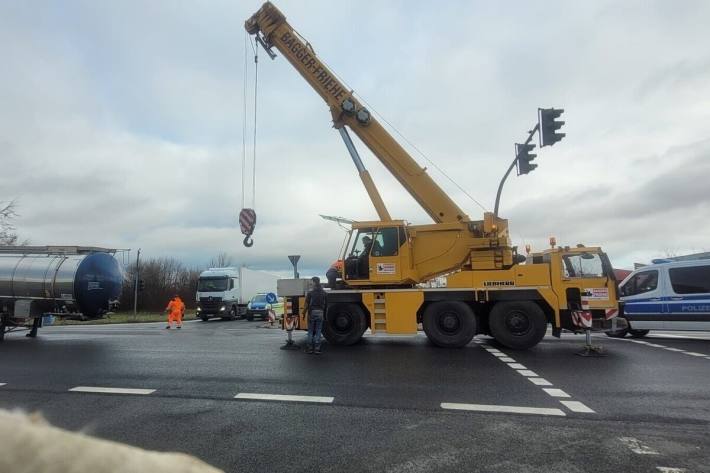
{"points": [[36, 324]]}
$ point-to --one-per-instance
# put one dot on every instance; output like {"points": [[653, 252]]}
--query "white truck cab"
{"points": [[226, 292], [666, 295]]}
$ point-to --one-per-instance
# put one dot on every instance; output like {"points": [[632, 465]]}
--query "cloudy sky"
{"points": [[121, 122]]}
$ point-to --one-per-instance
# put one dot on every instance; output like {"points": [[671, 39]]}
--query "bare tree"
{"points": [[162, 278], [222, 260], [8, 236]]}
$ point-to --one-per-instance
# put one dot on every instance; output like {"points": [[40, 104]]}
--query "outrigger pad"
{"points": [[595, 351]]}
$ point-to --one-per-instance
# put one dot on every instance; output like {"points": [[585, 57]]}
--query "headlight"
{"points": [[222, 309], [199, 309]]}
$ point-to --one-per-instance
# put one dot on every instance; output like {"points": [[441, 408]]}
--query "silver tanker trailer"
{"points": [[64, 281]]}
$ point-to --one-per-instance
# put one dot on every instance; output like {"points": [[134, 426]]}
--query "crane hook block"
{"points": [[247, 222]]}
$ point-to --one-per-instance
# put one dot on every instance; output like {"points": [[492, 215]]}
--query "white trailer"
{"points": [[225, 292]]}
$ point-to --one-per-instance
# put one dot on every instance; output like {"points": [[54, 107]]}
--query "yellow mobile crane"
{"points": [[488, 289]]}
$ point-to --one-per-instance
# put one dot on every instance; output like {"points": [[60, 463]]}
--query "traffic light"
{"points": [[547, 119], [524, 158], [141, 285]]}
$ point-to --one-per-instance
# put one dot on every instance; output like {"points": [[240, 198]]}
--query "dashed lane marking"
{"points": [[556, 392], [540, 382], [576, 406], [636, 446], [528, 373], [546, 411], [665, 469], [102, 390], [284, 397]]}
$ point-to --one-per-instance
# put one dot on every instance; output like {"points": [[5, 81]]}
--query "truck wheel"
{"points": [[233, 313], [517, 325], [449, 324], [344, 324], [638, 333]]}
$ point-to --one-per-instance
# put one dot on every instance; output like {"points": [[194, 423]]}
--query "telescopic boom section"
{"points": [[272, 29]]}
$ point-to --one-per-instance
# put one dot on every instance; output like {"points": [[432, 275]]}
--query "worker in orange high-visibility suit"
{"points": [[175, 309]]}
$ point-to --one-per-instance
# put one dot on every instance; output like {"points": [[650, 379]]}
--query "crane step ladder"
{"points": [[379, 316]]}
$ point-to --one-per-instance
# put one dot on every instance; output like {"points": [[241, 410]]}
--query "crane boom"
{"points": [[272, 30]]}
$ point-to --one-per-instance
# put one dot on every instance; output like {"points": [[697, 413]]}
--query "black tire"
{"points": [[449, 324], [204, 318], [233, 313], [517, 325], [344, 324], [638, 333], [250, 317], [617, 334]]}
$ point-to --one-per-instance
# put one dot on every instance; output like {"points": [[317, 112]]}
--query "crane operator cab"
{"points": [[374, 254]]}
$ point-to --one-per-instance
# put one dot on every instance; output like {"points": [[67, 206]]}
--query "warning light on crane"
{"points": [[547, 120], [525, 158]]}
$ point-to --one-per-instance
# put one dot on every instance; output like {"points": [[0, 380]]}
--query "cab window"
{"points": [[358, 245], [584, 265], [645, 281], [386, 242], [690, 280]]}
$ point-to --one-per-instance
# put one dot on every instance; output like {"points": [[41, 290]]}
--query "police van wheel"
{"points": [[638, 333], [449, 324], [204, 318], [517, 325], [344, 324], [250, 317], [617, 334]]}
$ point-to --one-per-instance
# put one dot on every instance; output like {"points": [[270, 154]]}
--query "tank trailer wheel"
{"points": [[344, 324], [449, 324], [517, 325]]}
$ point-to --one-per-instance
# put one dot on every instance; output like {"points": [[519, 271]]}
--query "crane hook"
{"points": [[248, 242]]}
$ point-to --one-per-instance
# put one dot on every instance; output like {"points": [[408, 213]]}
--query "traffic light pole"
{"points": [[510, 168], [135, 284]]}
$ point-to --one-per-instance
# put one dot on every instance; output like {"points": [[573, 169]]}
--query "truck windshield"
{"points": [[584, 265], [218, 284]]}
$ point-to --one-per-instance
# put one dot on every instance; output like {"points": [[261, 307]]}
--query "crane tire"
{"points": [[344, 324], [518, 325], [449, 324]]}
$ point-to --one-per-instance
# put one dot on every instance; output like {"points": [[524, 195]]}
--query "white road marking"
{"points": [[517, 366], [655, 345], [284, 397], [3, 384], [540, 381], [692, 353], [528, 373], [508, 409], [636, 446], [507, 359], [666, 469], [96, 389], [500, 355], [492, 350], [555, 392], [576, 406], [673, 349]]}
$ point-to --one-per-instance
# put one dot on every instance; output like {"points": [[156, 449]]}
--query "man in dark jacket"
{"points": [[315, 308]]}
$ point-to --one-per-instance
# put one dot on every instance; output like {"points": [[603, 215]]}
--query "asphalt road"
{"points": [[385, 405]]}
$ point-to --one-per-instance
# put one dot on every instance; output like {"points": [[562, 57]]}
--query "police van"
{"points": [[667, 295]]}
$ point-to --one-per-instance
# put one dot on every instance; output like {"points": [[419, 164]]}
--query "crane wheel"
{"points": [[344, 324], [449, 324], [517, 325]]}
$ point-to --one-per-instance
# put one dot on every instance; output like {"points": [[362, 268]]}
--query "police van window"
{"points": [[690, 280], [386, 242], [584, 265], [645, 281]]}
